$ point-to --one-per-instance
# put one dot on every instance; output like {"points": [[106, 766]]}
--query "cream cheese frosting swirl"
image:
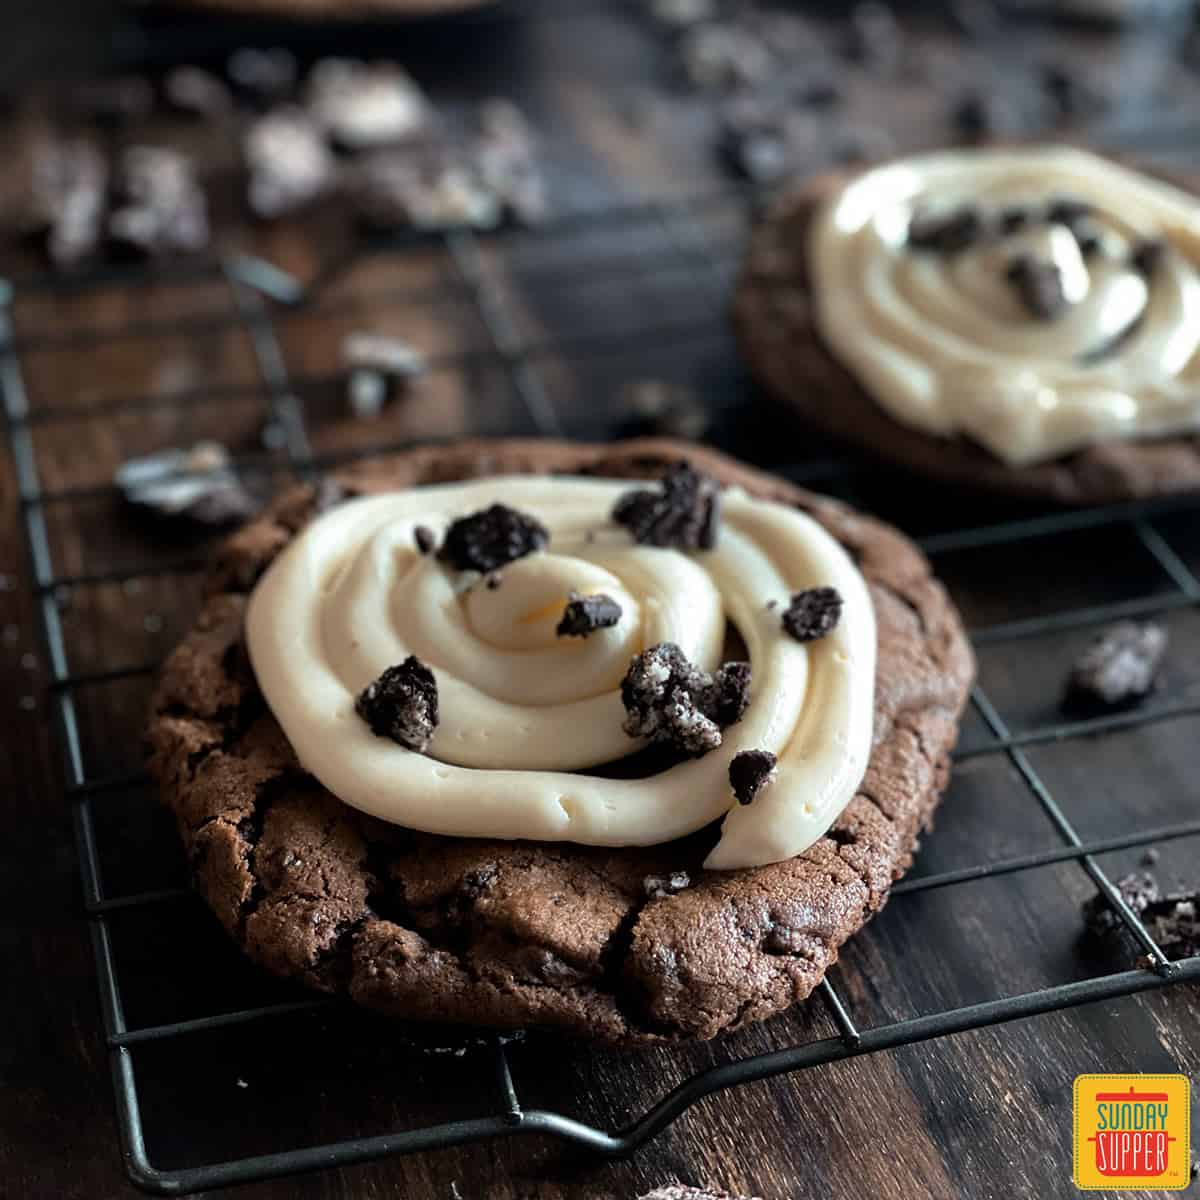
{"points": [[525, 713], [944, 341]]}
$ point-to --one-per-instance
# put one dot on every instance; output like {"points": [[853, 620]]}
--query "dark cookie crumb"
{"points": [[402, 704], [945, 232], [199, 484], [658, 887], [1119, 668], [586, 614], [492, 537], [493, 582], [670, 700], [749, 772], [1173, 920], [1147, 255], [424, 538], [1038, 285], [812, 614], [683, 514]]}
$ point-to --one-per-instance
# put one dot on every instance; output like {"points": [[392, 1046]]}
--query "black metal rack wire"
{"points": [[258, 293]]}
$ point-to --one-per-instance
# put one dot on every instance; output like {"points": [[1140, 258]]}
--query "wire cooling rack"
{"points": [[256, 298]]}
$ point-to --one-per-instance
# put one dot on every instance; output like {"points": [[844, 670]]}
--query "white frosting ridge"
{"points": [[522, 709], [941, 340]]}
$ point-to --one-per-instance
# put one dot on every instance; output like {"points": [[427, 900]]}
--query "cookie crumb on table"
{"points": [[1118, 669]]}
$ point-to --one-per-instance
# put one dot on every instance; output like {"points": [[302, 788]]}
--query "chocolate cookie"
{"points": [[774, 316], [516, 934]]}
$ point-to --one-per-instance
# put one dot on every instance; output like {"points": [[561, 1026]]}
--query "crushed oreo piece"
{"points": [[68, 195], [1172, 920], [586, 614], [491, 538], [402, 704], [946, 232], [160, 206], [749, 772], [659, 887], [1147, 254], [288, 161], [667, 699], [196, 92], [1038, 285], [655, 407], [1120, 668], [684, 513], [979, 115], [425, 539], [812, 614], [363, 106], [493, 581], [263, 75], [199, 484]]}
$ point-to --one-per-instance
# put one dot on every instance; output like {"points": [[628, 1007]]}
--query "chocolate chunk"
{"points": [[196, 92], [586, 614], [946, 232], [655, 407], [363, 106], [749, 772], [67, 200], [264, 75], [492, 537], [1173, 920], [199, 484], [659, 887], [683, 514], [667, 699], [1147, 254], [161, 208], [812, 614], [1120, 668], [425, 539], [288, 162], [1038, 285], [402, 704]]}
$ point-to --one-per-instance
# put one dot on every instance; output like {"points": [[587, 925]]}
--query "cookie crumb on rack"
{"points": [[659, 887], [1118, 669]]}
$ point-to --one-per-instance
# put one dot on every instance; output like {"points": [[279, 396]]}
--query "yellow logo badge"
{"points": [[1132, 1131]]}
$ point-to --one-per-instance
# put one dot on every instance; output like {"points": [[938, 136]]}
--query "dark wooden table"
{"points": [[115, 368]]}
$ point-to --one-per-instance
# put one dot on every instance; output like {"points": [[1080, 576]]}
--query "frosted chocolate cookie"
{"points": [[623, 741], [1021, 319]]}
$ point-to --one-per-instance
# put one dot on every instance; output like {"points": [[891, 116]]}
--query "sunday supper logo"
{"points": [[1132, 1131]]}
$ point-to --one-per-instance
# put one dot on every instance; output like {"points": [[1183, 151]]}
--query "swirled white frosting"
{"points": [[942, 341], [523, 710]]}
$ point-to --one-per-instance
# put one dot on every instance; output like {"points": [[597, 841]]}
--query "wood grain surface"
{"points": [[115, 369]]}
